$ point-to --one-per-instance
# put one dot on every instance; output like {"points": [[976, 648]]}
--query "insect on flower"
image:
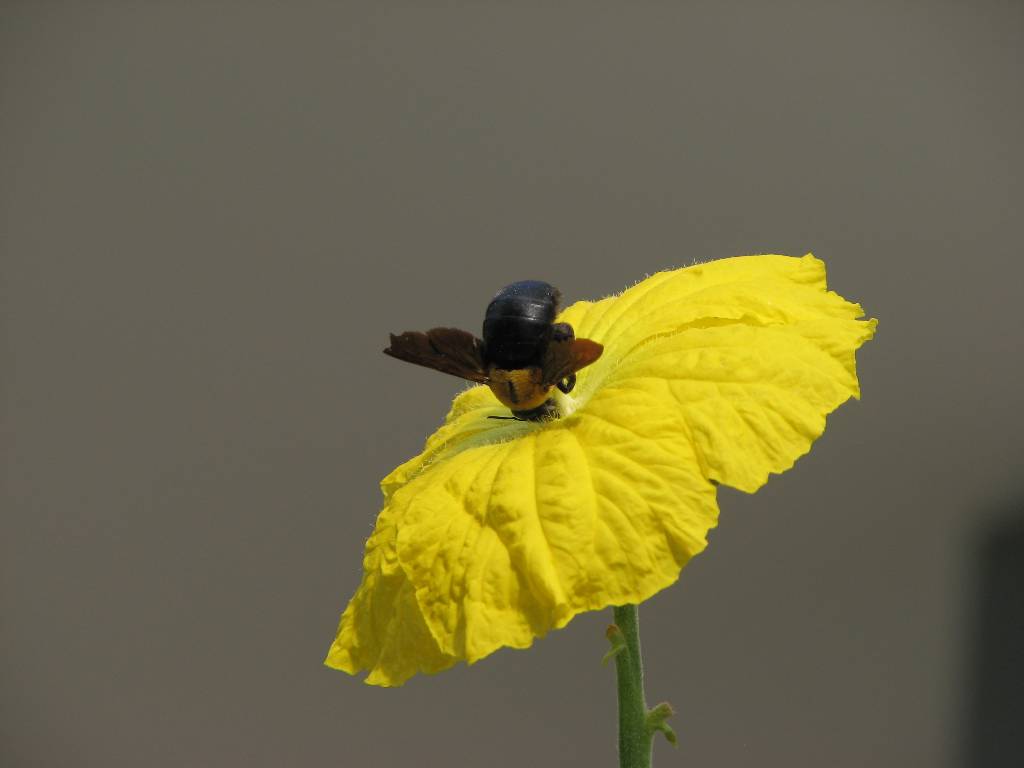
{"points": [[629, 413], [523, 354]]}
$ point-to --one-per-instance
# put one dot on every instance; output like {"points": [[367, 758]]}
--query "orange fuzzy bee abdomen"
{"points": [[518, 389]]}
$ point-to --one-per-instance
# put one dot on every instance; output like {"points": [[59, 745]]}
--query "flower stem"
{"points": [[634, 732]]}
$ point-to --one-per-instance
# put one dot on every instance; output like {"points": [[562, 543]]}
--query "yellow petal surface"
{"points": [[501, 531]]}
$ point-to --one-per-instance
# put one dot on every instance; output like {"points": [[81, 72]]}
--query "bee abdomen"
{"points": [[517, 325], [518, 389]]}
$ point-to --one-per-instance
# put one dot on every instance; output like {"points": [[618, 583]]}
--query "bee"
{"points": [[523, 353]]}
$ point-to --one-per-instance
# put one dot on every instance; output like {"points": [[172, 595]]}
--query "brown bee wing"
{"points": [[568, 356], [448, 350]]}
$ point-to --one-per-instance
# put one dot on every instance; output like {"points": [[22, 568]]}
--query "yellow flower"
{"points": [[500, 531]]}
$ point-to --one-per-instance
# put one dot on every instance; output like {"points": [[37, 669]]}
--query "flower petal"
{"points": [[504, 542], [753, 353], [383, 629]]}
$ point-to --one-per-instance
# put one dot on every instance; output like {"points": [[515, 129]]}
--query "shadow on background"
{"points": [[995, 726]]}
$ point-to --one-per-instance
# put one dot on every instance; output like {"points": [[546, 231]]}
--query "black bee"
{"points": [[523, 354]]}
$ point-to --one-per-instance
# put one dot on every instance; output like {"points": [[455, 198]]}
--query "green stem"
{"points": [[634, 733]]}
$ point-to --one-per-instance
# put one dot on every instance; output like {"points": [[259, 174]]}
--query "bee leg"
{"points": [[567, 383], [562, 332], [545, 410]]}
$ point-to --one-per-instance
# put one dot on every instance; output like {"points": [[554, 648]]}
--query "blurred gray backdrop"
{"points": [[211, 216]]}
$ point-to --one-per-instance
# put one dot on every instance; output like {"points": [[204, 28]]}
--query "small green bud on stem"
{"points": [[637, 724]]}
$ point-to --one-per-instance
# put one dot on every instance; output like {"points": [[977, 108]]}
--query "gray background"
{"points": [[211, 215]]}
